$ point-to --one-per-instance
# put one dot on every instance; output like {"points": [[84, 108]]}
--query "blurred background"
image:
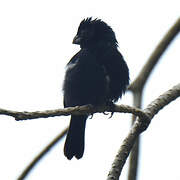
{"points": [[35, 46]]}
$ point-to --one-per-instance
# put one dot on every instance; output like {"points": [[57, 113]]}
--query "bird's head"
{"points": [[94, 34]]}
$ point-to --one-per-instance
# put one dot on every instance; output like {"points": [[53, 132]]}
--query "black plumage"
{"points": [[96, 75]]}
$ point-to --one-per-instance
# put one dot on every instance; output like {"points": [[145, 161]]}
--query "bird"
{"points": [[96, 75]]}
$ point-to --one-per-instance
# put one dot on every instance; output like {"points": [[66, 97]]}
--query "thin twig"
{"points": [[41, 154]]}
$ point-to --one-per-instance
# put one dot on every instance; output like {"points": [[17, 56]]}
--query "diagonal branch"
{"points": [[138, 127], [27, 170], [141, 79]]}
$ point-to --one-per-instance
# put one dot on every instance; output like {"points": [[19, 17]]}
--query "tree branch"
{"points": [[78, 110], [141, 79], [138, 84], [138, 127], [27, 170], [134, 155]]}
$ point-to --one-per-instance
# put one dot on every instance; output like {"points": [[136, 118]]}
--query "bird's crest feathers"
{"points": [[102, 31]]}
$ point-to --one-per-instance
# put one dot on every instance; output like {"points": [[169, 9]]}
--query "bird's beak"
{"points": [[76, 40]]}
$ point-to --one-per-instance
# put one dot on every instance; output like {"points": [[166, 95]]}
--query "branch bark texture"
{"points": [[137, 87], [138, 127], [78, 110]]}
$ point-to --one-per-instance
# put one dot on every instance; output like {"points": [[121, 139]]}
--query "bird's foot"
{"points": [[105, 113], [111, 107]]}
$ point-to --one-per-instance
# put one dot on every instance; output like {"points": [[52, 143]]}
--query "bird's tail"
{"points": [[74, 144]]}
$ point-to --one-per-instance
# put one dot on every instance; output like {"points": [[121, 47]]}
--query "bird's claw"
{"points": [[105, 113], [91, 116], [111, 107], [111, 115]]}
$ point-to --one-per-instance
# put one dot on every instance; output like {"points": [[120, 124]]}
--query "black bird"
{"points": [[96, 75]]}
